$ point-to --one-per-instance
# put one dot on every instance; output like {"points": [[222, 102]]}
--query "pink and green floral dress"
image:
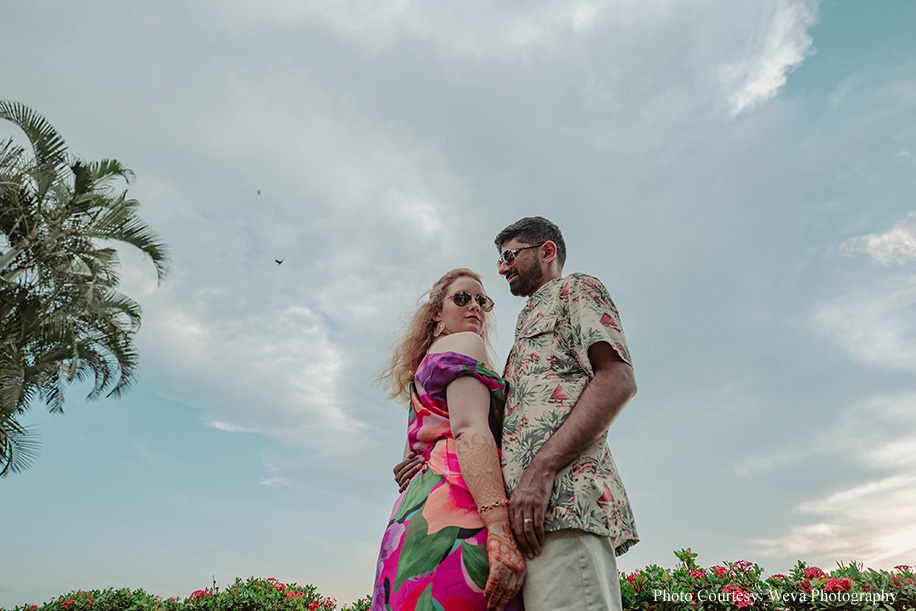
{"points": [[434, 551]]}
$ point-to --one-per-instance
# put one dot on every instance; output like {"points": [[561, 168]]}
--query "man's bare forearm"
{"points": [[604, 397]]}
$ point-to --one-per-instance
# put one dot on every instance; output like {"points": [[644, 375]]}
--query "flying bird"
{"points": [[279, 261], [259, 191]]}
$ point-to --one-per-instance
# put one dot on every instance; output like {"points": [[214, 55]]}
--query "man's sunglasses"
{"points": [[508, 255], [463, 298]]}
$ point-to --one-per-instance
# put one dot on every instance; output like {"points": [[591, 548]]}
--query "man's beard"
{"points": [[528, 280]]}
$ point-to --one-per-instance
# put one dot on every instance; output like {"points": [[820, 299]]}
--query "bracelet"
{"points": [[494, 505]]}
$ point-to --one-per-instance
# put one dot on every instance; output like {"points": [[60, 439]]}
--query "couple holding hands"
{"points": [[507, 483]]}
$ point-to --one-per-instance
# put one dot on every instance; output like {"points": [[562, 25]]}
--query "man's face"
{"points": [[524, 274]]}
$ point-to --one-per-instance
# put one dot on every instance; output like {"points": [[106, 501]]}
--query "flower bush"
{"points": [[739, 585], [251, 595], [728, 586]]}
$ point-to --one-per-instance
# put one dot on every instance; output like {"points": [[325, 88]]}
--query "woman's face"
{"points": [[468, 318]]}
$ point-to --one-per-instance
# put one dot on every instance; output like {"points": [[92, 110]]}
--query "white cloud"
{"points": [[848, 85], [869, 521], [875, 324], [782, 46], [228, 428], [898, 245]]}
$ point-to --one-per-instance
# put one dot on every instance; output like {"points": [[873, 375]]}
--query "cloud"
{"points": [[782, 46], [229, 428], [869, 521], [875, 323], [898, 245]]}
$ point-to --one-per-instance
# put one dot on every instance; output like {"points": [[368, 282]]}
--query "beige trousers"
{"points": [[576, 571]]}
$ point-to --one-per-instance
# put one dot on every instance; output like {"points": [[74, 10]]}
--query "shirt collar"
{"points": [[543, 291]]}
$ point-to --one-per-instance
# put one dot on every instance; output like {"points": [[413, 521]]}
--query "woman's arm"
{"points": [[469, 407]]}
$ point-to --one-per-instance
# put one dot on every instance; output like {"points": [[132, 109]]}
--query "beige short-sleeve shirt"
{"points": [[547, 370]]}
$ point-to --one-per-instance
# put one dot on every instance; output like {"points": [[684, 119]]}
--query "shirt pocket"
{"points": [[538, 334]]}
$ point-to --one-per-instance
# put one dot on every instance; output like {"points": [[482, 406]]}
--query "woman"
{"points": [[448, 544]]}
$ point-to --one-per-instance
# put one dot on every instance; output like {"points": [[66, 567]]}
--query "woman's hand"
{"points": [[507, 567], [407, 468]]}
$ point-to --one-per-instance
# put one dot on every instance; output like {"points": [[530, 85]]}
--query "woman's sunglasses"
{"points": [[463, 298]]}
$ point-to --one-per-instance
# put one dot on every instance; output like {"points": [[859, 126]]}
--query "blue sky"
{"points": [[740, 175]]}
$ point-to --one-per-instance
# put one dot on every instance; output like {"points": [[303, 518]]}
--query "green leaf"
{"points": [[417, 493], [475, 562], [422, 552], [426, 601]]}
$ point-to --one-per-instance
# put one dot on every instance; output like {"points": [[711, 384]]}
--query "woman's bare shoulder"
{"points": [[467, 343]]}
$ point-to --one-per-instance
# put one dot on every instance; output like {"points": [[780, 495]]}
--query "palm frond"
{"points": [[49, 147], [19, 445]]}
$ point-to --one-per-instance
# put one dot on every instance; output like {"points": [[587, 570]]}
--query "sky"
{"points": [[740, 175]]}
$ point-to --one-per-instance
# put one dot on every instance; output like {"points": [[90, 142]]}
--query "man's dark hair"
{"points": [[534, 230]]}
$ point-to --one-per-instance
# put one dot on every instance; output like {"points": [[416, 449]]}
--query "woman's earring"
{"points": [[440, 327]]}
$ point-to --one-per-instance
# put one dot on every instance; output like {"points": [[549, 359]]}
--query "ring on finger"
{"points": [[528, 521]]}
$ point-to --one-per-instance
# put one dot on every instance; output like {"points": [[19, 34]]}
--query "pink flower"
{"points": [[812, 572], [843, 584], [741, 598], [636, 580], [805, 586], [778, 576], [720, 571], [66, 604], [199, 594], [902, 567], [697, 574]]}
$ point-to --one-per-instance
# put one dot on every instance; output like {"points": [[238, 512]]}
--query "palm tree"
{"points": [[61, 316]]}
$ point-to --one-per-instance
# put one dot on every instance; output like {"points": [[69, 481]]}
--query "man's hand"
{"points": [[407, 468], [528, 507]]}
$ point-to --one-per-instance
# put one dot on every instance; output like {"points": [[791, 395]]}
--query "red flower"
{"points": [[805, 586], [636, 580], [741, 598], [902, 567], [778, 576], [697, 574], [843, 584], [720, 571], [199, 594], [66, 604], [812, 572]]}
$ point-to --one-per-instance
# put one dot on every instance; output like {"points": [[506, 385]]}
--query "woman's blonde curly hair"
{"points": [[419, 336]]}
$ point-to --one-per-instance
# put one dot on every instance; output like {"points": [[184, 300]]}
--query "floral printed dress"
{"points": [[434, 551]]}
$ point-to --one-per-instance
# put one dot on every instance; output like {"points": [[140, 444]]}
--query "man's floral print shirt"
{"points": [[547, 370]]}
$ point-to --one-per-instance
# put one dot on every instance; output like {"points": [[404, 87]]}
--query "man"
{"points": [[569, 375]]}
